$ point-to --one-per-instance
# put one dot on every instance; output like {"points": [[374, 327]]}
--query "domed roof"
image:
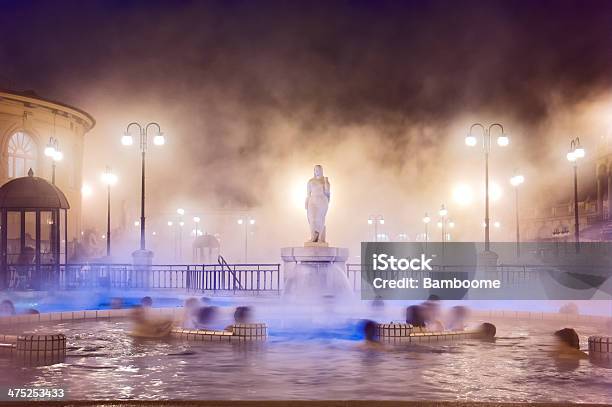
{"points": [[32, 193], [206, 241]]}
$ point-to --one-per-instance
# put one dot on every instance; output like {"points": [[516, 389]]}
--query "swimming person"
{"points": [[147, 326], [206, 317], [487, 331], [431, 312], [415, 316], [243, 315], [190, 318], [567, 345], [146, 302], [457, 318], [7, 308]]}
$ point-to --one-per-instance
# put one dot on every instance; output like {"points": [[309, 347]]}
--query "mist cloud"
{"points": [[381, 93]]}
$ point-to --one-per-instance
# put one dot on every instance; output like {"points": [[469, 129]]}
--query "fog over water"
{"points": [[252, 94]]}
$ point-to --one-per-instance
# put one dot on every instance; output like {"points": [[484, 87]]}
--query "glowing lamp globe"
{"points": [[127, 139], [579, 152], [159, 140], [470, 141], [503, 141], [109, 178], [571, 156], [50, 151], [517, 180], [86, 190]]}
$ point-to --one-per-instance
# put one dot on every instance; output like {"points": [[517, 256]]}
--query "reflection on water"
{"points": [[104, 362]]}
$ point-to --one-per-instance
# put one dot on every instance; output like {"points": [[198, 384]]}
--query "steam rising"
{"points": [[251, 95]]}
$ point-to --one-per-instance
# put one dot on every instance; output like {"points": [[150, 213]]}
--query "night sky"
{"points": [[248, 86], [412, 60]]}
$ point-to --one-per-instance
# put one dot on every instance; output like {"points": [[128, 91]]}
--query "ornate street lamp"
{"points": [[128, 140], [576, 153], [516, 181], [426, 220], [246, 221], [109, 179], [376, 220], [502, 141], [52, 151]]}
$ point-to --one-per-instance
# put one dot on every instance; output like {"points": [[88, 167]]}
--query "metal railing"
{"points": [[194, 277], [237, 277]]}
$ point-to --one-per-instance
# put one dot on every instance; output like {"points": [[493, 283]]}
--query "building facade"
{"points": [[28, 123], [556, 221]]}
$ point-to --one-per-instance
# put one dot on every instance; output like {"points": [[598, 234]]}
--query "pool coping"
{"points": [[286, 403], [177, 313]]}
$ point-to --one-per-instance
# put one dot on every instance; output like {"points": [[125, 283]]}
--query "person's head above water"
{"points": [[146, 301], [318, 171], [487, 331], [206, 315], [7, 308], [242, 315], [192, 303], [415, 316], [569, 337], [369, 330]]}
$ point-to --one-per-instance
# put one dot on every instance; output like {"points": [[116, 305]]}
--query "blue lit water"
{"points": [[104, 362]]}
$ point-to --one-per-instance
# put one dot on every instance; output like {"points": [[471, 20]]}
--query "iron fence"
{"points": [[202, 277]]}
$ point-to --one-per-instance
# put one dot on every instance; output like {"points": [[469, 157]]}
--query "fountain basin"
{"points": [[315, 271]]}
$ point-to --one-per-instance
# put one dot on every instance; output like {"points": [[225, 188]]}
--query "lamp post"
{"points": [[515, 181], [180, 212], [196, 233], [246, 222], [173, 231], [109, 179], [52, 151], [576, 153], [376, 220], [426, 220], [196, 220], [128, 140], [502, 141], [443, 212]]}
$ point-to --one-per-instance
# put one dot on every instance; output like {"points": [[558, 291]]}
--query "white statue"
{"points": [[317, 202]]}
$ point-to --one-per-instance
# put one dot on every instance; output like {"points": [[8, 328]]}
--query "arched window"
{"points": [[21, 155]]}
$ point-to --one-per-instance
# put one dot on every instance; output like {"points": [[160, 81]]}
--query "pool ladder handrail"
{"points": [[223, 263]]}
